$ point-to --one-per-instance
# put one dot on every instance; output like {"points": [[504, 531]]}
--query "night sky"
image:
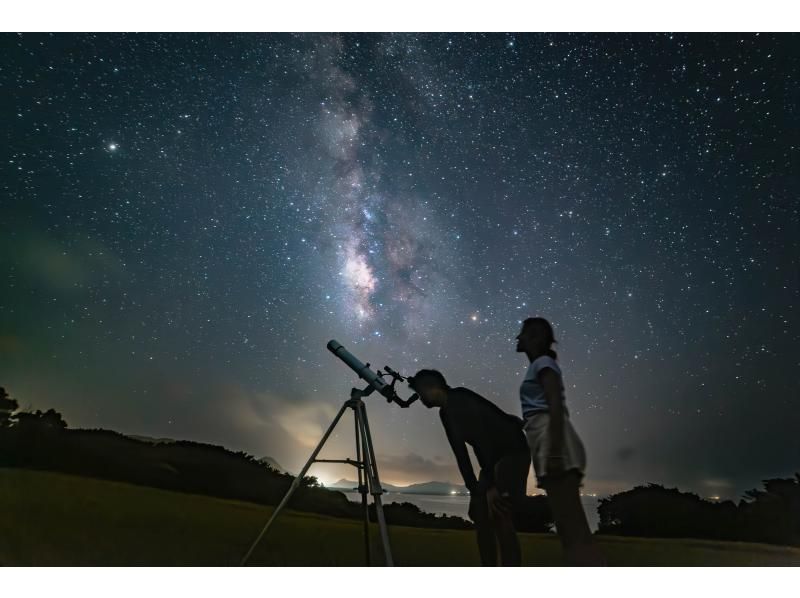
{"points": [[187, 219]]}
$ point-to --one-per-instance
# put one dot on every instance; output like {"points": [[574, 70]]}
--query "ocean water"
{"points": [[458, 505]]}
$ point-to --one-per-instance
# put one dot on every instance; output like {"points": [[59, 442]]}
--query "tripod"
{"points": [[365, 463]]}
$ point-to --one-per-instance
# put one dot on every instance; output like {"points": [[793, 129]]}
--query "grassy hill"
{"points": [[57, 519]]}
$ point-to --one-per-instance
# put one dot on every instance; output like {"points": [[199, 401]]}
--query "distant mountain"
{"points": [[345, 484], [434, 488]]}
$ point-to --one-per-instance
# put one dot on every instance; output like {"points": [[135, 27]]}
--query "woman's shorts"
{"points": [[538, 434]]}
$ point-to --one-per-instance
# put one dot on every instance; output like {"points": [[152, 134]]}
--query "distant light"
{"points": [[112, 147]]}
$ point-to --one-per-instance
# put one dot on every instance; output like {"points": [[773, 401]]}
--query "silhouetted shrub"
{"points": [[409, 514], [772, 515], [7, 407]]}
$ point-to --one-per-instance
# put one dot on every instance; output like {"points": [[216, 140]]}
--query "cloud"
{"points": [[265, 423], [411, 468], [61, 264], [306, 422], [626, 452], [10, 344]]}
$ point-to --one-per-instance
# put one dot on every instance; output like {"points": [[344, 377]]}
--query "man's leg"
{"points": [[511, 476], [510, 551], [479, 513]]}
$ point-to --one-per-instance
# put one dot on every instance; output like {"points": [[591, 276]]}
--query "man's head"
{"points": [[431, 387]]}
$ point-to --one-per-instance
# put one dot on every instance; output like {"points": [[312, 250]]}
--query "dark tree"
{"points": [[48, 421], [310, 481], [770, 515], [773, 514], [655, 511], [7, 408]]}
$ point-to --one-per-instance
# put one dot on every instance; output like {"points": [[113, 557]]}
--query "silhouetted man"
{"points": [[499, 444]]}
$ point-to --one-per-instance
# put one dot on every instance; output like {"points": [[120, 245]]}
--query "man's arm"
{"points": [[459, 447]]}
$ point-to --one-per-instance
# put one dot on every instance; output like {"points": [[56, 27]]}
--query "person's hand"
{"points": [[555, 464], [498, 505]]}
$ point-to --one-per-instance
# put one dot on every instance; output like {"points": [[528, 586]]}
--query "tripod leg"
{"points": [[375, 483], [362, 488], [295, 483]]}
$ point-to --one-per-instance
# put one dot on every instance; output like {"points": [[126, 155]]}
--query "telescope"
{"points": [[365, 462], [374, 379]]}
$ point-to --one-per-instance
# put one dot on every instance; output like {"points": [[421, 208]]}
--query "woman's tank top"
{"points": [[531, 393]]}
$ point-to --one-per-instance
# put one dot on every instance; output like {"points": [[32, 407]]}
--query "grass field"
{"points": [[55, 519]]}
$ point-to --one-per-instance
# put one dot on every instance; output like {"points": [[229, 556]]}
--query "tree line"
{"points": [[770, 515], [43, 440]]}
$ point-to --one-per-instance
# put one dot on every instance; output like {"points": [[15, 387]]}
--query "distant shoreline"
{"points": [[354, 490]]}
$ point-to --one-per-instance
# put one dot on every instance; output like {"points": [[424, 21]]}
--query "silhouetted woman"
{"points": [[559, 458]]}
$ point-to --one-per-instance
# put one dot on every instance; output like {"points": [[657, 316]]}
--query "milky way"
{"points": [[387, 242], [188, 219]]}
